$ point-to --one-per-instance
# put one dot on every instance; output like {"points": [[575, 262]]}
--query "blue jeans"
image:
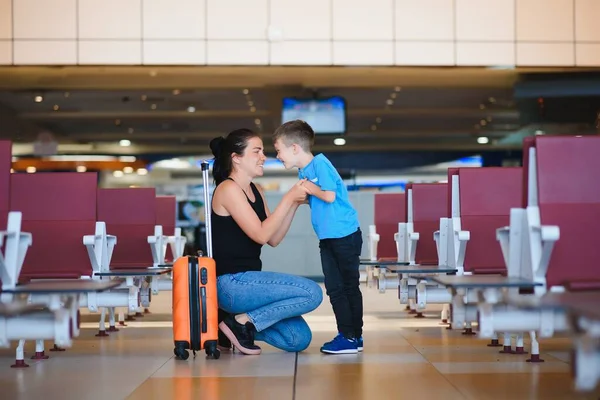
{"points": [[274, 302]]}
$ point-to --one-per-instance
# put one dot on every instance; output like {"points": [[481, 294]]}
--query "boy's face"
{"points": [[286, 154]]}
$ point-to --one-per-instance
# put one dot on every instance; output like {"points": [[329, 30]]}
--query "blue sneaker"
{"points": [[340, 345], [359, 343]]}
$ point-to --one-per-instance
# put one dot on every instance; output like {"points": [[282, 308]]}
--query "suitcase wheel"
{"points": [[212, 351], [180, 353]]}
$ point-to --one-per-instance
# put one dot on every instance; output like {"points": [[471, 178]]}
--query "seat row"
{"points": [[66, 244], [512, 250]]}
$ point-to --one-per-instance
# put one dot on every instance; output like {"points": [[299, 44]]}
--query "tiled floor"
{"points": [[404, 357]]}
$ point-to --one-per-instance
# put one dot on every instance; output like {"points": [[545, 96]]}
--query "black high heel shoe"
{"points": [[241, 336]]}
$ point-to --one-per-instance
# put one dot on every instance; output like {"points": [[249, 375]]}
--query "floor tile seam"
{"points": [[149, 377], [464, 395], [271, 376]]}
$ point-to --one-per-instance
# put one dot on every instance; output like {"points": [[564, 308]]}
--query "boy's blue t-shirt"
{"points": [[330, 220]]}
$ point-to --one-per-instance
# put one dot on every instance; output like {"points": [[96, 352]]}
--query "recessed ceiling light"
{"points": [[176, 92], [245, 91], [130, 130], [191, 109], [397, 88], [117, 174], [390, 102], [378, 120], [38, 99], [144, 97], [124, 143], [153, 106], [31, 170], [539, 132], [142, 171], [252, 109], [339, 141], [483, 140], [257, 121], [56, 107], [81, 168], [128, 170]]}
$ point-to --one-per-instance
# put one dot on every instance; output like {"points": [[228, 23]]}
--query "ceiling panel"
{"points": [[162, 108]]}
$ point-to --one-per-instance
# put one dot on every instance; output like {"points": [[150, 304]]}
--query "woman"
{"points": [[266, 306]]}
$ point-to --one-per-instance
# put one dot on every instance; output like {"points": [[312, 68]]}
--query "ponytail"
{"points": [[223, 148], [222, 163]]}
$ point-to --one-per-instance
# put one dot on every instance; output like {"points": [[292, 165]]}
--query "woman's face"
{"points": [[253, 159]]}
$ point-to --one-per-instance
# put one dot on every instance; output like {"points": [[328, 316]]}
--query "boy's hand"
{"points": [[310, 187], [299, 192]]}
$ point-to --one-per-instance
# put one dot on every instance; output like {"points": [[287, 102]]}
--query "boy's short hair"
{"points": [[296, 132]]}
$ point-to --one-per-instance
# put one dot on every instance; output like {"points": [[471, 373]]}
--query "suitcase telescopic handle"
{"points": [[207, 208]]}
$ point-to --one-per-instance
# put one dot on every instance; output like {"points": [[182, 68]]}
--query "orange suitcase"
{"points": [[195, 304]]}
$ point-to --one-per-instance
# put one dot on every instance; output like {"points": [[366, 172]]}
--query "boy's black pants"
{"points": [[340, 259]]}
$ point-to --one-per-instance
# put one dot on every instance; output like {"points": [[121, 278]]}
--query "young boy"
{"points": [[335, 222]]}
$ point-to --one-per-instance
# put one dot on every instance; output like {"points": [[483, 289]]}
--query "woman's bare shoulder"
{"points": [[225, 186], [226, 190]]}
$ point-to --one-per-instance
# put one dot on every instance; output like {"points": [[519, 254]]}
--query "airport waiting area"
{"points": [[254, 199], [501, 252]]}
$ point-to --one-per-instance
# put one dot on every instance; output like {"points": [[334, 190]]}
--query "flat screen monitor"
{"points": [[327, 116]]}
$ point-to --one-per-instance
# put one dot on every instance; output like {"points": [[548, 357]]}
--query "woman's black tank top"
{"points": [[233, 250]]}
